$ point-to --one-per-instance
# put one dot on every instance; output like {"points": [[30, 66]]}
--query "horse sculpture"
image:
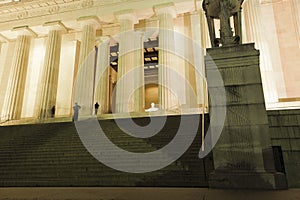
{"points": [[223, 10]]}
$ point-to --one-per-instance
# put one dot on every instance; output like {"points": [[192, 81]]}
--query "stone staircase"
{"points": [[53, 155]]}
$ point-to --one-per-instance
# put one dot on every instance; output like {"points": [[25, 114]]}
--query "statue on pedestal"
{"points": [[223, 10]]}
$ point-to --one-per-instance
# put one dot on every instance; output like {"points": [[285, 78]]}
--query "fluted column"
{"points": [[51, 69], [296, 9], [102, 75], [17, 78], [84, 85], [165, 13], [126, 63], [194, 53], [139, 79], [201, 80], [254, 33]]}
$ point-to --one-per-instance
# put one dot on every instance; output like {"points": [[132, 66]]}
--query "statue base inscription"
{"points": [[243, 156]]}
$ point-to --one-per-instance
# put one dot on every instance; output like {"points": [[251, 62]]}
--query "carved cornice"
{"points": [[56, 25], [37, 12], [41, 8], [127, 15], [24, 30], [30, 9], [165, 8]]}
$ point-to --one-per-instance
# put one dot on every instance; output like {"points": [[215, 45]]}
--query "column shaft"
{"points": [[166, 60], [102, 77], [201, 81], [84, 93], [296, 9], [253, 24], [124, 98], [50, 76], [166, 46], [139, 80], [15, 93]]}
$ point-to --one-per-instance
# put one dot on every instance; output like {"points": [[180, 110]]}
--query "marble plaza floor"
{"points": [[144, 194], [100, 117]]}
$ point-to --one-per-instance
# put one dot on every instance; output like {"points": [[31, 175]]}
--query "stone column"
{"points": [[296, 9], [126, 62], [139, 79], [17, 78], [270, 57], [84, 84], [51, 69], [243, 157], [102, 75], [194, 52], [165, 13]]}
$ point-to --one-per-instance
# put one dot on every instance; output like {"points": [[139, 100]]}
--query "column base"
{"points": [[247, 180]]}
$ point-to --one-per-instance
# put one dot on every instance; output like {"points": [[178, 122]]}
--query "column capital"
{"points": [[56, 25], [89, 20], [142, 35], [102, 39], [24, 30], [165, 8], [127, 15], [3, 39]]}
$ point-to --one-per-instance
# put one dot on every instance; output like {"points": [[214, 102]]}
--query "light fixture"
{"points": [[150, 49], [113, 54], [153, 39]]}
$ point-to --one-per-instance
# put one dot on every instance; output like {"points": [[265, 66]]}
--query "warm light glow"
{"points": [[150, 49], [33, 79], [65, 79], [153, 39], [113, 54]]}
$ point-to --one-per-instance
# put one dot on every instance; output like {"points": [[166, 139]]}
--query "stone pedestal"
{"points": [[243, 157]]}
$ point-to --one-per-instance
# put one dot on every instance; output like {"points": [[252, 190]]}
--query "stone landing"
{"points": [[243, 156], [138, 193]]}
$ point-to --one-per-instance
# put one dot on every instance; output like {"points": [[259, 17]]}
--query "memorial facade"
{"points": [[140, 56], [44, 45]]}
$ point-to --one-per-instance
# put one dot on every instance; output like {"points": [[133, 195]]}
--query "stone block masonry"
{"points": [[243, 157]]}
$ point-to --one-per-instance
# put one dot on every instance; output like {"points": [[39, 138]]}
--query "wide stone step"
{"points": [[53, 155]]}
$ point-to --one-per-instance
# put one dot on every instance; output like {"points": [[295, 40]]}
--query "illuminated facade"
{"points": [[45, 46]]}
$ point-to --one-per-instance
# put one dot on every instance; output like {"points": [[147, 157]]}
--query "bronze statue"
{"points": [[223, 10]]}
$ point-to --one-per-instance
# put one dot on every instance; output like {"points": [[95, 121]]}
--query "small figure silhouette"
{"points": [[53, 111], [76, 108], [96, 108]]}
